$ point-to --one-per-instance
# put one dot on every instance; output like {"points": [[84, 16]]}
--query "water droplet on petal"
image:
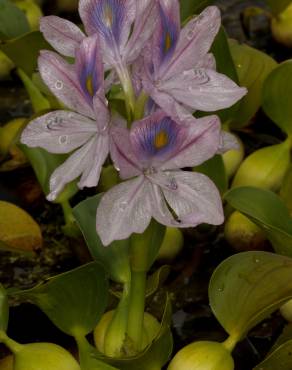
{"points": [[190, 34], [106, 102], [172, 185], [59, 85], [104, 129], [117, 168], [63, 139]]}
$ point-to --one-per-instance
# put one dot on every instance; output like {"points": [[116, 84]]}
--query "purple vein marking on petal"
{"points": [[108, 17], [89, 68], [169, 35], [155, 138]]}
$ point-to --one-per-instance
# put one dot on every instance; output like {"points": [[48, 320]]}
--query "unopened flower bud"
{"points": [[202, 356], [242, 234], [282, 27], [265, 168], [43, 356]]}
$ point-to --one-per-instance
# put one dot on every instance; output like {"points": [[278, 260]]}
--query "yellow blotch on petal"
{"points": [[161, 140], [108, 16], [89, 85], [167, 42]]}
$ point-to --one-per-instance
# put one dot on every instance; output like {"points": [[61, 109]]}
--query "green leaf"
{"points": [[156, 280], [247, 287], [277, 90], [214, 168], [277, 6], [188, 8], [44, 164], [285, 191], [118, 251], [4, 309], [74, 301], [279, 359], [155, 355], [38, 101], [253, 67], [13, 21], [88, 358], [24, 50], [268, 211]]}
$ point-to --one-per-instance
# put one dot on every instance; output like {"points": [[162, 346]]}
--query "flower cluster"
{"points": [[166, 75]]}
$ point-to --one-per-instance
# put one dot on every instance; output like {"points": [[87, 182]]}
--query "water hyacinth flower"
{"points": [[123, 26], [178, 71], [152, 154], [86, 130]]}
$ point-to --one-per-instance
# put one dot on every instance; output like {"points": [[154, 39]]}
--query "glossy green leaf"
{"points": [[277, 6], [13, 21], [44, 163], [214, 168], [4, 309], [277, 91], [279, 359], [74, 301], [24, 50], [253, 67], [188, 8], [247, 287], [268, 211], [118, 251], [155, 355], [38, 101]]}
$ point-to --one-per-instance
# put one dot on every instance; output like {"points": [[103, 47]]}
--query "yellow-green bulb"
{"points": [[233, 158], [151, 328], [171, 245], [202, 356], [282, 27], [32, 12], [286, 311], [44, 356], [265, 168], [242, 234]]}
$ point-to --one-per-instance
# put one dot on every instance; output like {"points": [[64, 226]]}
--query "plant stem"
{"points": [[230, 343], [140, 106], [136, 310], [10, 343], [67, 211], [127, 85]]}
